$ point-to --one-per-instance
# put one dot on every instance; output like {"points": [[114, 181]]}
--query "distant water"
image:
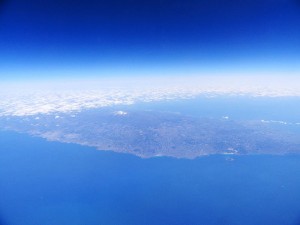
{"points": [[236, 107], [46, 183]]}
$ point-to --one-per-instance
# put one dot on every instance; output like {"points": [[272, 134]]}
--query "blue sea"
{"points": [[48, 183], [51, 183]]}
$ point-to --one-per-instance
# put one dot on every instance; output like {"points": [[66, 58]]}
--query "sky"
{"points": [[42, 39]]}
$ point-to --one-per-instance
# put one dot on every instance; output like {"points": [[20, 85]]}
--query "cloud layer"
{"points": [[21, 99]]}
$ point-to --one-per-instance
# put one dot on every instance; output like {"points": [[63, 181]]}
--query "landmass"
{"points": [[147, 133]]}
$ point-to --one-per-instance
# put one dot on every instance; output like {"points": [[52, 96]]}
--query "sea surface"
{"points": [[49, 183]]}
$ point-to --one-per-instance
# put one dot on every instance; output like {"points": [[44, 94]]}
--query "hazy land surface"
{"points": [[150, 133]]}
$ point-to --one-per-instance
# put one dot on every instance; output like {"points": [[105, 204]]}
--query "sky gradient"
{"points": [[42, 39]]}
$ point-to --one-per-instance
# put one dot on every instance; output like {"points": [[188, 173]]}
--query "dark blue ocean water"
{"points": [[47, 183]]}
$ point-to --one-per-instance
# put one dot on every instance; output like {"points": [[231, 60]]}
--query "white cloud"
{"points": [[279, 122], [60, 97], [120, 113]]}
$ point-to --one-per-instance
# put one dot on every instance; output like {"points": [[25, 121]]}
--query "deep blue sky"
{"points": [[39, 38]]}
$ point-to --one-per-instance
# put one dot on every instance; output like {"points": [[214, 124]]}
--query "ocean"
{"points": [[50, 183]]}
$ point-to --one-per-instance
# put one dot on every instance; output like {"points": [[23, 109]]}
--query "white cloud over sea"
{"points": [[45, 97]]}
